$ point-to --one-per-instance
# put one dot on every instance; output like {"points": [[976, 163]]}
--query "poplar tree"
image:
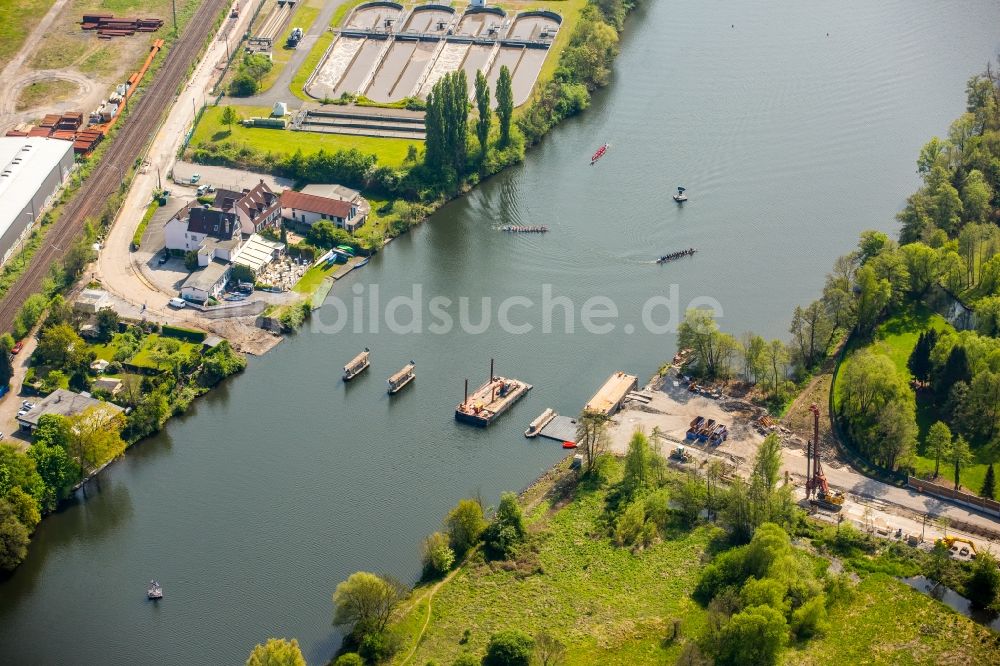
{"points": [[505, 105], [483, 106]]}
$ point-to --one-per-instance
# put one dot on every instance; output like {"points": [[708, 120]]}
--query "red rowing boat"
{"points": [[600, 153]]}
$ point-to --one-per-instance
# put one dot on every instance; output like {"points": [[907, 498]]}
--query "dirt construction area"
{"points": [[62, 68]]}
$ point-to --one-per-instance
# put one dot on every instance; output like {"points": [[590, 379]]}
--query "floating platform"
{"points": [[357, 365], [543, 420], [609, 398], [402, 378], [561, 429], [490, 401]]}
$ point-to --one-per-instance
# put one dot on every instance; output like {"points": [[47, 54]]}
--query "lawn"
{"points": [[142, 358], [48, 91], [17, 18], [888, 622], [608, 605], [390, 152], [313, 277]]}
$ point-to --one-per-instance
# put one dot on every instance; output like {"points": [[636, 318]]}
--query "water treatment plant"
{"points": [[388, 53]]}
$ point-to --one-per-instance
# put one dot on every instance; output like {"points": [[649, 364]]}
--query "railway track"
{"points": [[132, 138]]}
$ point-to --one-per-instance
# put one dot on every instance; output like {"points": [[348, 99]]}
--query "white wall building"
{"points": [[31, 169]]}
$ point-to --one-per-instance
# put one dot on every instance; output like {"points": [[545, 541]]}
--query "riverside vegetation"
{"points": [[629, 561], [160, 371], [912, 394]]}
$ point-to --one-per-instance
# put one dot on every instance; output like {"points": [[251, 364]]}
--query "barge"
{"points": [[357, 365], [490, 400], [609, 398], [402, 378], [543, 420]]}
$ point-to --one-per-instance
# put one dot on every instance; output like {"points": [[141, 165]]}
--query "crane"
{"points": [[815, 478]]}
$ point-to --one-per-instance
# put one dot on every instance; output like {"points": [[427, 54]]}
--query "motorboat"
{"points": [[680, 197]]}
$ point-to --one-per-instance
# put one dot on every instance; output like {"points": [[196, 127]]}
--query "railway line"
{"points": [[127, 146]]}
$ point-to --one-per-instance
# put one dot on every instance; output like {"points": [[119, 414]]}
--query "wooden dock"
{"points": [[609, 398]]}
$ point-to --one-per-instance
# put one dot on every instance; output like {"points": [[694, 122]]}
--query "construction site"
{"points": [[387, 52]]}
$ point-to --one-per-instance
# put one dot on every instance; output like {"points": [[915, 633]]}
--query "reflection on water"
{"points": [[954, 600]]}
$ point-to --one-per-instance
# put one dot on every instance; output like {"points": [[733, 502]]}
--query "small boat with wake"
{"points": [[599, 154], [676, 255], [154, 591], [680, 197], [524, 229]]}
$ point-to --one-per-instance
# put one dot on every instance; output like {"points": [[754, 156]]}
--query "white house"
{"points": [[207, 282], [307, 209], [255, 209], [212, 233]]}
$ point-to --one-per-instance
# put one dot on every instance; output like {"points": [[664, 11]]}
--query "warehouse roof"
{"points": [[25, 163]]}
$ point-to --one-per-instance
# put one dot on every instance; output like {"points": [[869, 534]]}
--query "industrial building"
{"points": [[31, 169]]}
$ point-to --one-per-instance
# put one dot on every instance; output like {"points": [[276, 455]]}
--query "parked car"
{"points": [[202, 189], [195, 178], [178, 303], [165, 257], [18, 346]]}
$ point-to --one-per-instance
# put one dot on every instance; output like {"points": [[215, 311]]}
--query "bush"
{"points": [[377, 647], [983, 585], [810, 619], [466, 659], [465, 525], [349, 659], [438, 556], [506, 533], [188, 334], [753, 636], [512, 647]]}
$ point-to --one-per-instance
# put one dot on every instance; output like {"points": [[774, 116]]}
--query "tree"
{"points": [[13, 538], [6, 368], [752, 636], [976, 197], [960, 456], [505, 104], [713, 349], [506, 532], [465, 525], [107, 323], [61, 347], [549, 649], [485, 116], [921, 263], [349, 659], [989, 484], [229, 117], [938, 444], [438, 557], [919, 362], [277, 652], [643, 465], [364, 602], [25, 508], [95, 437], [592, 435], [219, 363], [983, 585], [872, 296], [956, 369], [811, 328], [326, 234], [57, 469], [511, 647]]}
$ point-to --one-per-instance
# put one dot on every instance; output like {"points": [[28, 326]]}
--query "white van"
{"points": [[178, 303]]}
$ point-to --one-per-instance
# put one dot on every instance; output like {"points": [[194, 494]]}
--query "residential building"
{"points": [[307, 209], [207, 282], [255, 208], [31, 170], [211, 232], [63, 403]]}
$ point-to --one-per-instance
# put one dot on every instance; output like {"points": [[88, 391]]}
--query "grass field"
{"points": [[49, 91], [608, 605], [312, 278], [390, 152], [888, 622], [17, 17], [107, 350]]}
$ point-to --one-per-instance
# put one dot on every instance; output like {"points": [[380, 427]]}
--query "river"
{"points": [[253, 506]]}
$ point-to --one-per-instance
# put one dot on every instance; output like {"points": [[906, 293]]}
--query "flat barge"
{"points": [[357, 365], [609, 398], [402, 378], [490, 400]]}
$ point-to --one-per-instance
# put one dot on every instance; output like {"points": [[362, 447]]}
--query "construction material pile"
{"points": [[107, 26]]}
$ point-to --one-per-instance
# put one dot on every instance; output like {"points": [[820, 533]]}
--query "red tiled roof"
{"points": [[311, 203]]}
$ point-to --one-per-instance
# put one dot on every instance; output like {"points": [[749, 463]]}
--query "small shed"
{"points": [[100, 365], [280, 110]]}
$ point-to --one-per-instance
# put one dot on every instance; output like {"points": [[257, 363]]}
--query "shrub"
{"points": [[512, 647], [810, 619], [506, 533], [188, 334], [438, 556], [349, 659], [465, 525], [466, 659], [753, 636], [377, 647]]}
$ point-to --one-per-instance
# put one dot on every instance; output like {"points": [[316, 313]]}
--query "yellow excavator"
{"points": [[950, 541], [831, 500]]}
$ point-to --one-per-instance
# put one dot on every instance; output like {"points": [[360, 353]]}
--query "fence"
{"points": [[983, 504]]}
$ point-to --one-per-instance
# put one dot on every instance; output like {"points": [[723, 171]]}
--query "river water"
{"points": [[251, 508]]}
